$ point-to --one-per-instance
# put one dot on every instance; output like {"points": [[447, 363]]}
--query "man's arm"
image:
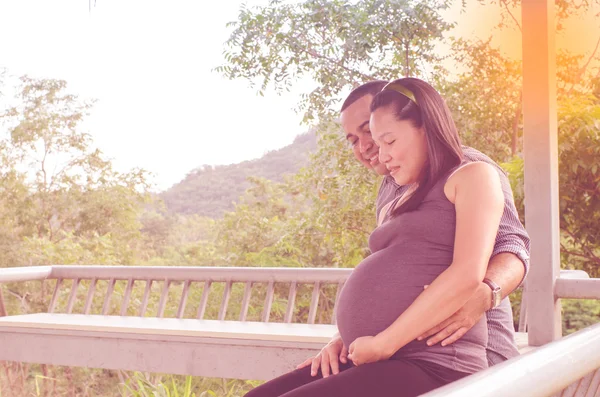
{"points": [[506, 270]]}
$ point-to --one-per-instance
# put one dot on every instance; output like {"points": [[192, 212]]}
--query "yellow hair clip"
{"points": [[402, 90]]}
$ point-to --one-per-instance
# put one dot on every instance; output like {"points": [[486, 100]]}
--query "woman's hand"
{"points": [[368, 349], [328, 357]]}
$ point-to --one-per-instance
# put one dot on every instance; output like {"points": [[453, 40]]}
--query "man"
{"points": [[506, 270]]}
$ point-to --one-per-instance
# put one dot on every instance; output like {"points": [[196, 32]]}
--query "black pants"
{"points": [[396, 377]]}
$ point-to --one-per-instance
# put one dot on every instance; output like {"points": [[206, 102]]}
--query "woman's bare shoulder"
{"points": [[471, 174]]}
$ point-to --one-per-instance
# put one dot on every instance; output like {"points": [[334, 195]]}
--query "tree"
{"points": [[13, 207], [346, 44], [338, 44], [485, 98], [339, 197], [61, 187], [249, 235]]}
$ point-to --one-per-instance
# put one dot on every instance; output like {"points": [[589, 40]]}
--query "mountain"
{"points": [[211, 190]]}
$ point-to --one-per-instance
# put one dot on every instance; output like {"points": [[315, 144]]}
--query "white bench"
{"points": [[258, 350], [165, 327], [225, 349], [213, 348], [238, 349]]}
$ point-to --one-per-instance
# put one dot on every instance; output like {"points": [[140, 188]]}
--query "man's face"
{"points": [[355, 122]]}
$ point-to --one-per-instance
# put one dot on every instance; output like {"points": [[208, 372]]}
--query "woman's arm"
{"points": [[477, 195]]}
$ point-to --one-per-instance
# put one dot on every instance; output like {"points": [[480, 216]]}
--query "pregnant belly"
{"points": [[378, 291]]}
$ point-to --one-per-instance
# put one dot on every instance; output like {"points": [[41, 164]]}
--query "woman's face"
{"points": [[402, 146]]}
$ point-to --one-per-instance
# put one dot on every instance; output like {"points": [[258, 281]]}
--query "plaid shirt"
{"points": [[511, 237]]}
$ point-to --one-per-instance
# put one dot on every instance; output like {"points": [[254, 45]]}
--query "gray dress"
{"points": [[408, 252]]}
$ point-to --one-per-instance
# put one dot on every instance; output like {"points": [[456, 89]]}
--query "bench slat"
{"points": [[125, 303], [268, 302], [314, 302], [72, 295], [90, 296], [192, 273], [337, 295], [225, 300], [55, 295], [163, 299], [145, 298], [289, 313], [109, 292], [204, 299], [179, 355], [2, 307], [183, 301], [594, 386], [246, 301], [248, 330]]}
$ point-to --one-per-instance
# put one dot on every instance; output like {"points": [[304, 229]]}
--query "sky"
{"points": [[148, 63], [149, 66]]}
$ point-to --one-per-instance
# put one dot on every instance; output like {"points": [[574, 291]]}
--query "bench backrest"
{"points": [[308, 294]]}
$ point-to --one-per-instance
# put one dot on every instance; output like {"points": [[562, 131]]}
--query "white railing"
{"points": [[221, 313], [573, 360], [547, 370], [12, 274], [571, 284], [70, 279], [577, 288]]}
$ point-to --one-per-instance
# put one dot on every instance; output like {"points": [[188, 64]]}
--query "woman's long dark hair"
{"points": [[431, 112]]}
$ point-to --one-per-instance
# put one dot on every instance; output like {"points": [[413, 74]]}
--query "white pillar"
{"points": [[541, 169]]}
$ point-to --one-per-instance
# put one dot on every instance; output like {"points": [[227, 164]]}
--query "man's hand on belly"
{"points": [[455, 327]]}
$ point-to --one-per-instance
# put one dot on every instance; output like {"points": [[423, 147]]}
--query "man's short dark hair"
{"points": [[370, 88]]}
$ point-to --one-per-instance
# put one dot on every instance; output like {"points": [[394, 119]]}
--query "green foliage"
{"points": [[144, 385], [256, 222], [277, 224], [579, 180], [335, 43], [579, 153], [175, 239], [139, 385], [579, 314], [340, 195], [62, 190], [485, 98]]}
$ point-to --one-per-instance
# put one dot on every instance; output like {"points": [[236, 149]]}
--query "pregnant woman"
{"points": [[439, 234]]}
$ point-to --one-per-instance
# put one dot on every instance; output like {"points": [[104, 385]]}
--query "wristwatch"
{"points": [[496, 292]]}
